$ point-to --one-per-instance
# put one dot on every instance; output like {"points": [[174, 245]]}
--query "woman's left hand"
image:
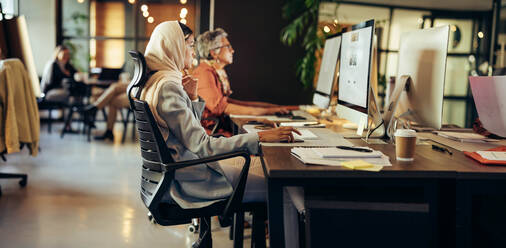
{"points": [[190, 86]]}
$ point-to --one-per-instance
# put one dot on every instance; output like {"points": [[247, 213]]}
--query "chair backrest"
{"points": [[154, 151]]}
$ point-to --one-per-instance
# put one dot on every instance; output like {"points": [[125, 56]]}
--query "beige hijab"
{"points": [[164, 53]]}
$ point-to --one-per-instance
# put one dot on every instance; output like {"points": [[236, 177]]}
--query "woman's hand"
{"points": [[274, 110], [278, 134], [190, 86]]}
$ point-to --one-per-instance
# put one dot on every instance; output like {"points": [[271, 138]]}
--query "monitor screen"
{"points": [[328, 67], [355, 67]]}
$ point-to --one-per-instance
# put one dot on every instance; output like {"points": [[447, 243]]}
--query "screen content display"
{"points": [[354, 68], [329, 64]]}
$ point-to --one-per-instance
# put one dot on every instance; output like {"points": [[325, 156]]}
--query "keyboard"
{"points": [[290, 115]]}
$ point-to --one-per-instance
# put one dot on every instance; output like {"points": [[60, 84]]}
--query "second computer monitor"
{"points": [[422, 56], [354, 73], [328, 68]]}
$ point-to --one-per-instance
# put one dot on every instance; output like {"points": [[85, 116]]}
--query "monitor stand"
{"points": [[376, 124], [390, 120], [373, 124]]}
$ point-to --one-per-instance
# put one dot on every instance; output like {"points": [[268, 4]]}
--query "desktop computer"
{"points": [[356, 99], [418, 94], [327, 76]]}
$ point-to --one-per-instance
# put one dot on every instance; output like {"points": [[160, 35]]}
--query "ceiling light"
{"points": [[151, 19], [144, 8], [480, 35], [131, 1], [453, 28], [80, 1], [183, 21], [182, 15], [183, 1], [145, 14], [326, 29], [420, 20], [184, 11]]}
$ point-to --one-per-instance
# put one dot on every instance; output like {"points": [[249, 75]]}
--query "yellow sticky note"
{"points": [[361, 165], [353, 164]]}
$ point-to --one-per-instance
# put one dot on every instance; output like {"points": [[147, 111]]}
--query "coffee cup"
{"points": [[405, 143]]}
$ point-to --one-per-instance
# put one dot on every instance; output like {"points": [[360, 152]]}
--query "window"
{"points": [[100, 33]]}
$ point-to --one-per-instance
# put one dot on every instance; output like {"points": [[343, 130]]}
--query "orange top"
{"points": [[210, 89]]}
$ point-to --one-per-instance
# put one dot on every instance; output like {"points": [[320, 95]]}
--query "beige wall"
{"points": [[40, 19]]}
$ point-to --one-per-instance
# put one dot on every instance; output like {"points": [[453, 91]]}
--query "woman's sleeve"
{"points": [[216, 102], [174, 110]]}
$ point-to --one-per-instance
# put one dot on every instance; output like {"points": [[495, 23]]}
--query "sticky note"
{"points": [[361, 165]]}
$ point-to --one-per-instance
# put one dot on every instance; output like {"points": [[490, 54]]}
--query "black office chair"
{"points": [[158, 170]]}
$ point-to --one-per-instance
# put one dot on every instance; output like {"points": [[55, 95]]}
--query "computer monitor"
{"points": [[327, 74], [489, 94], [354, 74], [420, 77]]}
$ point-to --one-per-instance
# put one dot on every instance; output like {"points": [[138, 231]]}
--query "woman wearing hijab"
{"points": [[177, 109]]}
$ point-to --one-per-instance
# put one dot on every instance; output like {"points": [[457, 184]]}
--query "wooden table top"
{"points": [[279, 163]]}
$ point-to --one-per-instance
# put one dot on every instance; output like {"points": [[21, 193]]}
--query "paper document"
{"points": [[464, 137], [308, 156], [304, 135], [333, 152], [489, 155]]}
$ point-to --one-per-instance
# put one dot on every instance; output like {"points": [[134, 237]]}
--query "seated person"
{"points": [[58, 77], [216, 52], [114, 98], [177, 109]]}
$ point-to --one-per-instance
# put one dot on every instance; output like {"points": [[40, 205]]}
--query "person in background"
{"points": [[114, 98], [216, 53], [58, 78]]}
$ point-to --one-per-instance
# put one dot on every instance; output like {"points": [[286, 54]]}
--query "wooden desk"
{"points": [[439, 176]]}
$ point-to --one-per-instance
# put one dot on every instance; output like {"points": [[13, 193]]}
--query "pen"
{"points": [[312, 124], [358, 149], [441, 149]]}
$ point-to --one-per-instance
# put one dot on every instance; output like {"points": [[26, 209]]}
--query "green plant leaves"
{"points": [[303, 28]]}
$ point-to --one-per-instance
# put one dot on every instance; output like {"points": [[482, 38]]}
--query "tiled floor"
{"points": [[82, 194]]}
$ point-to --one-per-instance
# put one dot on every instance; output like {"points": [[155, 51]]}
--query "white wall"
{"points": [[40, 19]]}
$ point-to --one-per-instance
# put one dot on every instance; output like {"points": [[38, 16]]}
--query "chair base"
{"points": [[22, 183]]}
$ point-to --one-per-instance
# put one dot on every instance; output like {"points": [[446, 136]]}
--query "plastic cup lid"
{"points": [[405, 133]]}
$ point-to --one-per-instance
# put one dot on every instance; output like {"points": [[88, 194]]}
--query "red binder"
{"points": [[480, 159]]}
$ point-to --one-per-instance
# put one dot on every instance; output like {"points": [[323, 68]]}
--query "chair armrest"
{"points": [[183, 164], [235, 200]]}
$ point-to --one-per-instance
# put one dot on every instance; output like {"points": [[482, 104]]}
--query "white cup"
{"points": [[81, 77], [405, 144]]}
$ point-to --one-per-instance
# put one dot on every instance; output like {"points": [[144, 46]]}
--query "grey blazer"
{"points": [[201, 185]]}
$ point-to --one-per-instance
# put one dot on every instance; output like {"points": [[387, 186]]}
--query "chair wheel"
{"points": [[151, 218], [193, 229], [23, 182]]}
